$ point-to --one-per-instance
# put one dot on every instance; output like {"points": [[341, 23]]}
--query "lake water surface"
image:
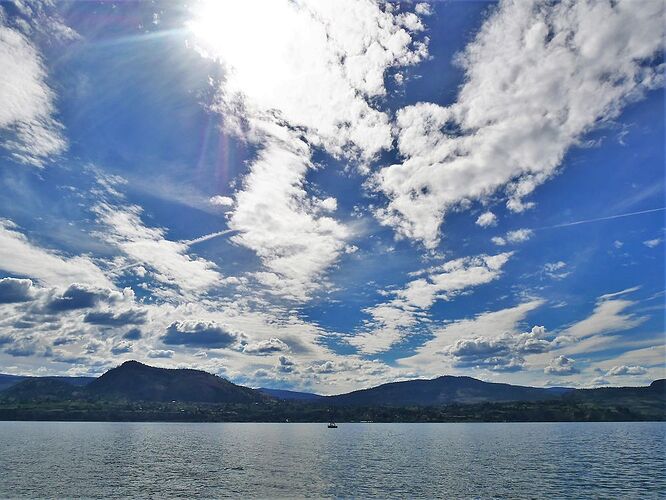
{"points": [[575, 460]]}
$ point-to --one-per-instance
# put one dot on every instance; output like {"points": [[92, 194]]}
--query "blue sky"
{"points": [[326, 197]]}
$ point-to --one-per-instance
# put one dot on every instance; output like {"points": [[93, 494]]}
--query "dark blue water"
{"points": [[569, 460]]}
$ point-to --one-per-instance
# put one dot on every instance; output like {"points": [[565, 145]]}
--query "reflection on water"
{"points": [[361, 460]]}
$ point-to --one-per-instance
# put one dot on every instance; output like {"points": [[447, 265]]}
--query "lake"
{"points": [[517, 460]]}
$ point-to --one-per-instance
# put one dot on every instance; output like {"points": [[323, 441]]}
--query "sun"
{"points": [[253, 39]]}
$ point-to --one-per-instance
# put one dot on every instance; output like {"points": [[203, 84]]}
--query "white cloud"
{"points": [[221, 201], [160, 353], [556, 270], [653, 356], [391, 320], [27, 103], [561, 365], [538, 77], [317, 67], [652, 243], [437, 355], [264, 347], [276, 219], [310, 84], [21, 257], [617, 371], [608, 316], [329, 204], [517, 236], [486, 219], [504, 353], [423, 8], [148, 248]]}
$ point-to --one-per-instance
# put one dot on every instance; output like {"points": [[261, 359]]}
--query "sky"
{"points": [[327, 196]]}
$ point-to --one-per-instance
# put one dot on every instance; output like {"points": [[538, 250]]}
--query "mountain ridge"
{"points": [[135, 381]]}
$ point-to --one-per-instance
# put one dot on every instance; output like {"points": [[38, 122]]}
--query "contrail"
{"points": [[188, 243], [206, 237], [598, 219]]}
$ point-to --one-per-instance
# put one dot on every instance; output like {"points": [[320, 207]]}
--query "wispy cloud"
{"points": [[20, 256], [168, 261], [490, 340], [27, 104], [391, 321]]}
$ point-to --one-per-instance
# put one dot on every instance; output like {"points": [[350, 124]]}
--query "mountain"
{"points": [[7, 381], [656, 391], [440, 391], [42, 389], [135, 381], [290, 395]]}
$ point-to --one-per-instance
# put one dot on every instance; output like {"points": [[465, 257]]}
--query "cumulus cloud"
{"points": [[391, 320], [502, 353], [538, 77], [484, 353], [344, 50], [15, 290], [221, 201], [31, 134], [122, 347], [499, 328], [80, 296], [264, 347], [21, 350], [285, 365], [517, 236], [199, 334], [561, 365], [617, 371], [133, 334], [160, 353], [486, 219], [113, 318], [329, 204]]}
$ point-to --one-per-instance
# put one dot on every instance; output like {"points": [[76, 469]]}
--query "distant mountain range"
{"points": [[440, 391], [291, 395], [134, 381], [6, 381]]}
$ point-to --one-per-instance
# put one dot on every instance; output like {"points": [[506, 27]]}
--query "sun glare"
{"points": [[252, 38]]}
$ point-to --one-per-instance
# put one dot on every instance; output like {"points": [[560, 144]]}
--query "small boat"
{"points": [[332, 425]]}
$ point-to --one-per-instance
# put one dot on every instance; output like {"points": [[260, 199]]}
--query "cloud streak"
{"points": [[391, 321], [27, 104]]}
